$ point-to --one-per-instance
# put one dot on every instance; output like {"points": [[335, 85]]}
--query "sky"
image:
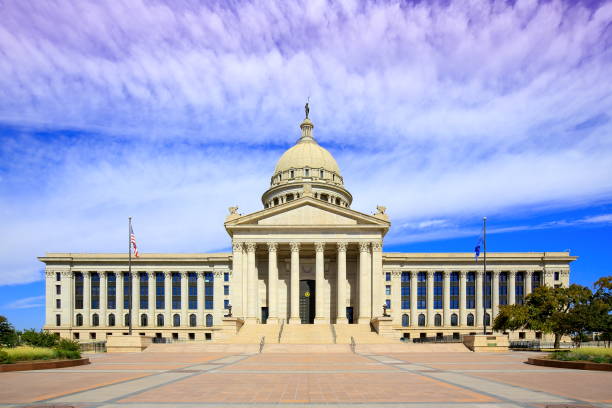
{"points": [[170, 112]]}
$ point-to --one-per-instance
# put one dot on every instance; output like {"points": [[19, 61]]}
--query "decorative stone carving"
{"points": [[295, 246], [151, 275], [237, 246], [49, 274], [376, 246], [251, 246], [341, 246], [319, 246], [218, 274], [233, 214], [168, 275], [512, 274], [272, 246], [380, 213], [396, 273], [364, 246]]}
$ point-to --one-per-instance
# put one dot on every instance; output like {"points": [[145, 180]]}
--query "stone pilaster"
{"points": [[50, 298], [295, 284], [430, 299], [272, 283], [479, 304], [103, 298], [414, 312], [495, 295], [446, 299], [67, 299], [200, 312], [462, 298], [396, 297], [511, 287], [135, 299], [184, 298], [151, 295], [365, 287], [119, 285], [217, 299], [236, 293], [251, 283], [86, 298], [341, 312], [168, 299], [528, 277], [319, 278], [377, 279]]}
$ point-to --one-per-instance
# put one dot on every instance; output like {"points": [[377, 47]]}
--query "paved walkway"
{"points": [[415, 380]]}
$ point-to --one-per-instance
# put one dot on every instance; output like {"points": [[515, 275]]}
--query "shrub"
{"points": [[69, 354], [8, 336], [39, 339], [25, 353], [593, 354], [5, 358], [66, 344]]}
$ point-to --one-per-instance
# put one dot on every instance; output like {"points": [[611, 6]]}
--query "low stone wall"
{"points": [[42, 365], [384, 327], [128, 344], [487, 343], [576, 365]]}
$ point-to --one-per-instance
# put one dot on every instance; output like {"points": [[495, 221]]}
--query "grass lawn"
{"points": [[28, 353], [593, 354]]}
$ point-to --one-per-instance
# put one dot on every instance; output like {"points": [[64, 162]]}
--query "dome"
{"points": [[307, 154]]}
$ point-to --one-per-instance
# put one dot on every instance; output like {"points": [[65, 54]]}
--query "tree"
{"points": [[547, 309], [8, 336], [602, 303]]}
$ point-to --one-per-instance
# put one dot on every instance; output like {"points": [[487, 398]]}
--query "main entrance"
{"points": [[307, 301]]}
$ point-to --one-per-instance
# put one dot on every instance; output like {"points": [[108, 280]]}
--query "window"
{"points": [[207, 336], [438, 282], [58, 320], [324, 197], [143, 290], [176, 290], [535, 281], [454, 319], [306, 172], [405, 320], [405, 290], [321, 173], [160, 290], [226, 290], [421, 320], [58, 303], [487, 319], [95, 290], [76, 336], [160, 320], [111, 290], [454, 290], [422, 290], [503, 288], [176, 320], [111, 319], [78, 290], [92, 335], [95, 320], [192, 287], [289, 197], [58, 289], [126, 319], [192, 320], [388, 303], [208, 290], [58, 276], [438, 320], [291, 175], [191, 336], [226, 303], [470, 290], [556, 276], [487, 298], [225, 276], [174, 336], [79, 319], [388, 276], [388, 290], [522, 335], [209, 320], [519, 289], [538, 335], [470, 319], [127, 290], [144, 321]]}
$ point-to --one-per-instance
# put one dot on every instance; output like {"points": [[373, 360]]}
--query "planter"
{"points": [[576, 365], [42, 365]]}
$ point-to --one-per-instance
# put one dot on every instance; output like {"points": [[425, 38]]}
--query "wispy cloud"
{"points": [[26, 303]]}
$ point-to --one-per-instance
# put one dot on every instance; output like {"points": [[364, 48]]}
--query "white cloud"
{"points": [[26, 303]]}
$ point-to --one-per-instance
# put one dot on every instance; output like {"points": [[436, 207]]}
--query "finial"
{"points": [[307, 108]]}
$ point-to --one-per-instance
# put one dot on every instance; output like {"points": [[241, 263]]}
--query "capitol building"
{"points": [[306, 258]]}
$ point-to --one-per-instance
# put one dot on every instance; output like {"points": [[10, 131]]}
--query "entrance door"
{"points": [[264, 315], [307, 301], [349, 314]]}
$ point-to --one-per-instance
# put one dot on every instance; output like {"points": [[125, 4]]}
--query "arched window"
{"points": [[405, 320], [160, 320], [209, 320], [111, 319], [421, 319], [126, 319], [454, 320], [470, 319], [176, 320], [437, 320], [487, 319], [95, 320], [192, 320], [79, 319], [143, 320]]}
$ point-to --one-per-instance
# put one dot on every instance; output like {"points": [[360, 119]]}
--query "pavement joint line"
{"points": [[48, 400]]}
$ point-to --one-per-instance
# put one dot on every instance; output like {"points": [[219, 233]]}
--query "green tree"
{"points": [[602, 302], [39, 339], [8, 335]]}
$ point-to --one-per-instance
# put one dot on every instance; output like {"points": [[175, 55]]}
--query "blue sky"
{"points": [[441, 111]]}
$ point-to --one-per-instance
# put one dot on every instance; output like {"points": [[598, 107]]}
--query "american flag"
{"points": [[133, 241]]}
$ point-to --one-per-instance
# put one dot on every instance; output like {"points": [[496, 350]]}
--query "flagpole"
{"points": [[484, 277], [130, 270]]}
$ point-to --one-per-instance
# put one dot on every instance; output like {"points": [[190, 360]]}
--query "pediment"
{"points": [[307, 212]]}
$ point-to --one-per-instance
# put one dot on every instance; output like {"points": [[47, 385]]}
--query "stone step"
{"points": [[307, 334], [362, 333]]}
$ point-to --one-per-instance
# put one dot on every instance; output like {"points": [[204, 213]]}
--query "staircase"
{"points": [[307, 334], [362, 333], [251, 333]]}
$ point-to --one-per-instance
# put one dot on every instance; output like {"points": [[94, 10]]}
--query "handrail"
{"points": [[353, 344], [261, 343], [333, 330], [280, 332]]}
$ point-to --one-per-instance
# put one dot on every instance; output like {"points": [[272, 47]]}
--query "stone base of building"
{"points": [[487, 343], [384, 327], [128, 344]]}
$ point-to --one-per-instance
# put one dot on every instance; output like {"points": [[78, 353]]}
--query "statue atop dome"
{"points": [[307, 108]]}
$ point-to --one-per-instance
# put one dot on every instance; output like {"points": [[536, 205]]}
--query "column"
{"points": [[341, 312], [365, 287], [184, 298], [237, 278], [479, 308], [135, 299], [151, 289], [396, 298], [245, 282], [86, 298], [167, 299], [218, 310], [528, 277], [319, 277], [272, 283], [446, 299], [119, 285], [103, 299], [295, 283], [251, 283], [462, 298], [511, 287], [377, 279], [414, 312], [49, 298], [67, 299], [200, 313], [430, 295], [495, 295]]}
